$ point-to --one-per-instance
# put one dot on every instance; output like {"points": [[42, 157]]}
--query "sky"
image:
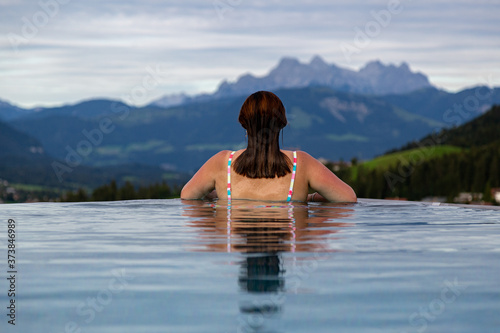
{"points": [[55, 52]]}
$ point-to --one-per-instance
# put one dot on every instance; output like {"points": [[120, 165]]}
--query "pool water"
{"points": [[198, 266]]}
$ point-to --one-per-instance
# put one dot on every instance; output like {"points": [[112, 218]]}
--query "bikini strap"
{"points": [[290, 191], [229, 176]]}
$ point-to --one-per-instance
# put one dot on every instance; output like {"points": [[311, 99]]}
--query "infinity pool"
{"points": [[196, 266]]}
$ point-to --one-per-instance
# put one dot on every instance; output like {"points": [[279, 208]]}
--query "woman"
{"points": [[263, 171]]}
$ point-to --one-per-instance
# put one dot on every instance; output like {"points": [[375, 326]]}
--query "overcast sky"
{"points": [[55, 52]]}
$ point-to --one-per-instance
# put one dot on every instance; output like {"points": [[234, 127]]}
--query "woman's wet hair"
{"points": [[263, 116]]}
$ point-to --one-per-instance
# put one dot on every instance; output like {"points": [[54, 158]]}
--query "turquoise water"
{"points": [[193, 266]]}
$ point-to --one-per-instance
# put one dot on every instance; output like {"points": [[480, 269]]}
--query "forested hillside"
{"points": [[461, 159]]}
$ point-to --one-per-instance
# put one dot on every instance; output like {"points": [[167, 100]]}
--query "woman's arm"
{"points": [[326, 183], [203, 182]]}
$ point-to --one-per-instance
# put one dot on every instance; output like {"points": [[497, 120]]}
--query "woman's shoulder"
{"points": [[308, 162], [301, 155], [223, 155]]}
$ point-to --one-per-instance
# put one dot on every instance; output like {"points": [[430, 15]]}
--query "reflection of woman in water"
{"points": [[257, 227], [262, 232], [263, 171]]}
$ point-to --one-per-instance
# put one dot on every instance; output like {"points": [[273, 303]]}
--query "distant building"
{"points": [[334, 165], [468, 197], [434, 199], [495, 194]]}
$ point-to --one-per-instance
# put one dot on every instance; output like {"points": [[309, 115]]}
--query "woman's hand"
{"points": [[316, 197], [212, 195]]}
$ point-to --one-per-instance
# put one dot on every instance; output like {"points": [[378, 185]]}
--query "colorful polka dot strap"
{"points": [[229, 175], [290, 192]]}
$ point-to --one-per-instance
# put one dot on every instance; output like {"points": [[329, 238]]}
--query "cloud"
{"points": [[96, 48]]}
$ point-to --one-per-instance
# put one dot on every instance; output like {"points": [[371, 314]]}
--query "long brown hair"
{"points": [[263, 116]]}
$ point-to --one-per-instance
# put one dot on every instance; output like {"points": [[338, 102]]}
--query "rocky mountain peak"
{"points": [[318, 63], [375, 78]]}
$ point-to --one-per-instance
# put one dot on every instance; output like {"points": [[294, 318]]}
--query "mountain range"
{"points": [[374, 78], [328, 117], [23, 160]]}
